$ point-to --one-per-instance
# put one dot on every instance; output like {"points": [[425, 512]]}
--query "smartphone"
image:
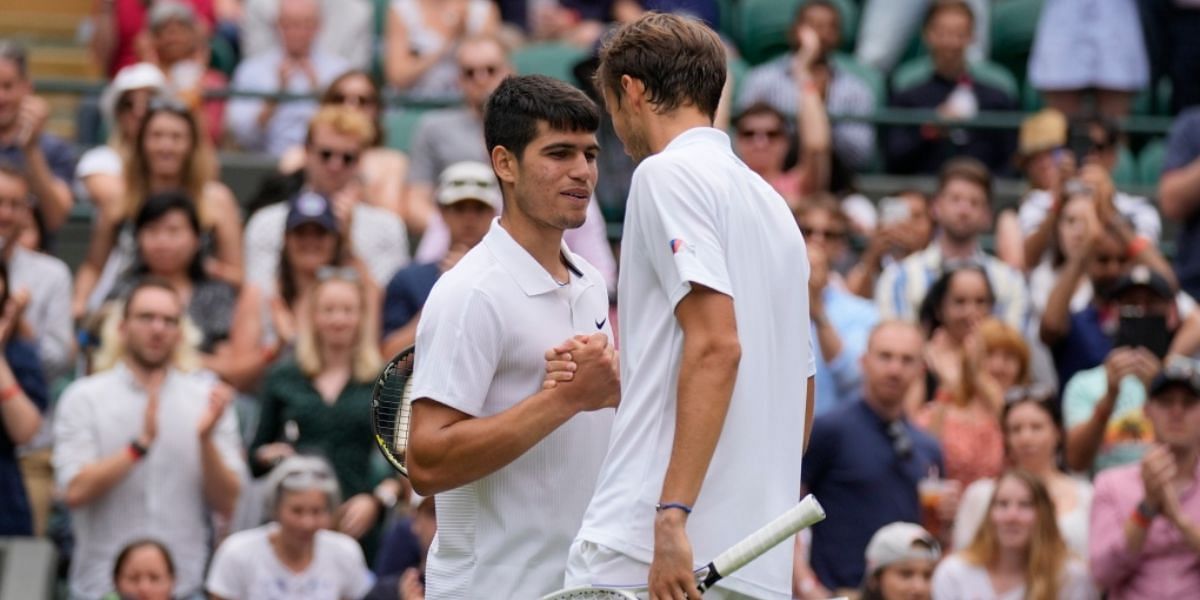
{"points": [[1148, 331], [893, 210]]}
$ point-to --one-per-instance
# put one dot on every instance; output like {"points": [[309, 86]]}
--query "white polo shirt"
{"points": [[696, 213], [480, 349]]}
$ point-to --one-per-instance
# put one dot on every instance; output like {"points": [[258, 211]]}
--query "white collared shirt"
{"points": [[480, 349], [162, 497], [698, 214]]}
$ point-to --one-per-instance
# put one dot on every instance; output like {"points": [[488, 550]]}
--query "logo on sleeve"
{"points": [[676, 246], [600, 323]]}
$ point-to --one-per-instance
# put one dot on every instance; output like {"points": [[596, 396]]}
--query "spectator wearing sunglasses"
{"points": [[296, 67], [422, 36], [295, 555]]}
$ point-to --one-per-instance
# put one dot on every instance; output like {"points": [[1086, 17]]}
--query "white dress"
{"points": [[1089, 43], [956, 579]]}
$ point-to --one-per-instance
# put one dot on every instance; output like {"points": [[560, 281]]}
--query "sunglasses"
{"points": [[347, 158], [168, 104], [755, 134], [471, 72], [1035, 392], [832, 235], [328, 273], [902, 444], [354, 99]]}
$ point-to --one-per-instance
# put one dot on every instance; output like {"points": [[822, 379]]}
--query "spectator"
{"points": [[764, 141], [336, 140], [296, 67], [1033, 438], [900, 562], [1017, 553], [786, 81], [865, 460], [628, 11], [887, 26], [955, 95], [962, 210], [143, 571], [319, 399], [1082, 46], [420, 48], [1179, 194], [469, 197], [1043, 157], [119, 36], [23, 398], [347, 30], [966, 400], [905, 226], [401, 560], [450, 136], [294, 556], [1006, 356], [577, 22], [46, 161], [1146, 517], [179, 48], [170, 153], [99, 176], [382, 169], [841, 321], [119, 477]]}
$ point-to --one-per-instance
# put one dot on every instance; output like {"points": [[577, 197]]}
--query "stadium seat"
{"points": [[919, 69], [1125, 172], [400, 125], [1150, 162], [1146, 103], [379, 28], [553, 59], [737, 70], [1013, 25], [222, 56], [762, 27]]}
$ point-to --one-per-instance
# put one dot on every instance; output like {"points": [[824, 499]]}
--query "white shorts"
{"points": [[593, 564]]}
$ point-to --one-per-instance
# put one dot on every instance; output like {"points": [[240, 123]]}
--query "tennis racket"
{"points": [[391, 406], [804, 514]]}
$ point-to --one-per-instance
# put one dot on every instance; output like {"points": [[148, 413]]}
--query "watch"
{"points": [[1145, 511]]}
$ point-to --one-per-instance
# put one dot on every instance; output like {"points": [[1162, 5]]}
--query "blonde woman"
{"points": [[169, 153], [1018, 553]]}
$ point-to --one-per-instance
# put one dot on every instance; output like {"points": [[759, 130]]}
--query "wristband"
{"points": [[1137, 245], [137, 451], [9, 393], [1143, 515], [661, 506]]}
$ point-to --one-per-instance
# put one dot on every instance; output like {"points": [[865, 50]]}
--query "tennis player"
{"points": [[716, 356], [514, 465]]}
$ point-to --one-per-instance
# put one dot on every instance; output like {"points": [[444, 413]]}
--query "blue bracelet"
{"points": [[687, 510]]}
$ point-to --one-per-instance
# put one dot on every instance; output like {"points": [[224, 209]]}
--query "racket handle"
{"points": [[804, 514]]}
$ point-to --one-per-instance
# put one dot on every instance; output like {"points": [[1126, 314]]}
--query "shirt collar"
{"points": [[532, 278], [700, 135], [933, 255]]}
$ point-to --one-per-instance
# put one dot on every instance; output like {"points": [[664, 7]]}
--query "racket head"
{"points": [[391, 409], [591, 593]]}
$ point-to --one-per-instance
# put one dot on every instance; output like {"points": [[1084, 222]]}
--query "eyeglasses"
{"points": [[471, 72], [771, 135], [340, 273], [347, 158], [832, 235], [353, 99]]}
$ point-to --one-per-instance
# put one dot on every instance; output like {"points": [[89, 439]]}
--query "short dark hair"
{"points": [[930, 313], [513, 111], [967, 169], [802, 12], [679, 59], [159, 205], [15, 52], [940, 6], [123, 555], [149, 282]]}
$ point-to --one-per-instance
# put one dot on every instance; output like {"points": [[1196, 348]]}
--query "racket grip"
{"points": [[804, 514]]}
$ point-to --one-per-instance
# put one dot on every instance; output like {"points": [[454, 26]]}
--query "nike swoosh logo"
{"points": [[601, 322]]}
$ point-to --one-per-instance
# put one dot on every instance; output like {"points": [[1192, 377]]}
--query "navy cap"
{"points": [[1142, 276], [311, 207], [1178, 370]]}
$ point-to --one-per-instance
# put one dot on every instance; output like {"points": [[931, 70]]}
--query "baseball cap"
{"points": [[1043, 130], [133, 77], [311, 207], [1177, 370], [899, 541], [166, 11], [468, 180], [1142, 276]]}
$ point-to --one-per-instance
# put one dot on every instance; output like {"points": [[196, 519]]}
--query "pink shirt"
{"points": [[1166, 567]]}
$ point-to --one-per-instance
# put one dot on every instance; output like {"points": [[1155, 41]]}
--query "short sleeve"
{"points": [[356, 579], [819, 455], [680, 220], [75, 443], [457, 349], [226, 576], [228, 441], [1032, 211], [1080, 397], [100, 160]]}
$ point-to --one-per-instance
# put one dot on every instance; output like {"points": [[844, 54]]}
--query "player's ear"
{"points": [[505, 164], [633, 89]]}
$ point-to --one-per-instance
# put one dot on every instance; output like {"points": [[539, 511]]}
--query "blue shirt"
{"points": [[59, 156], [15, 516], [852, 468], [838, 382], [1183, 147], [1085, 346], [406, 294]]}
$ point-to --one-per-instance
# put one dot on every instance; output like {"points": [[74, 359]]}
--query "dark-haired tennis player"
{"points": [[716, 357], [513, 465]]}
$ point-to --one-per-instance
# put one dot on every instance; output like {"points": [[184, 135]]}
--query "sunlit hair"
{"points": [[998, 336], [198, 169], [1046, 557], [186, 356], [343, 120], [331, 97], [365, 357]]}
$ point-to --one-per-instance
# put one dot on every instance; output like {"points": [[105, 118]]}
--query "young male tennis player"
{"points": [[716, 357], [513, 465]]}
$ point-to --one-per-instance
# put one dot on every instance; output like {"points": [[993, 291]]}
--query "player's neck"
{"points": [[542, 243], [662, 129]]}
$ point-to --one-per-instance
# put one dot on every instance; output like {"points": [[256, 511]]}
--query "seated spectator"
{"points": [[1017, 553], [1033, 438], [23, 399], [1043, 157], [119, 36], [764, 139], [577, 22], [145, 447], [295, 67], [401, 560], [841, 321], [100, 174], [904, 226], [783, 83], [1146, 515], [422, 37], [347, 30], [962, 210], [143, 571], [1084, 46], [900, 562], [383, 170], [966, 400], [170, 153], [865, 460], [955, 95], [1006, 357], [46, 161], [336, 140], [296, 555], [885, 29], [628, 11], [1179, 195], [179, 47], [469, 197], [318, 400]]}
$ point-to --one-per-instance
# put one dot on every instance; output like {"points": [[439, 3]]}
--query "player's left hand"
{"points": [[671, 576]]}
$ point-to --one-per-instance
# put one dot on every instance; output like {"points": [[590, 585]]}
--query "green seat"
{"points": [[846, 62], [222, 56], [1125, 172], [738, 70], [1031, 99], [379, 18], [400, 126], [1144, 103], [848, 11], [762, 27], [1013, 26], [553, 59], [920, 69], [1150, 162]]}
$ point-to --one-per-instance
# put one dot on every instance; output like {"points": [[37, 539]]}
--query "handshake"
{"points": [[586, 371]]}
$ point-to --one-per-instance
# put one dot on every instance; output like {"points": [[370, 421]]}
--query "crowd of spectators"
{"points": [[1007, 398]]}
